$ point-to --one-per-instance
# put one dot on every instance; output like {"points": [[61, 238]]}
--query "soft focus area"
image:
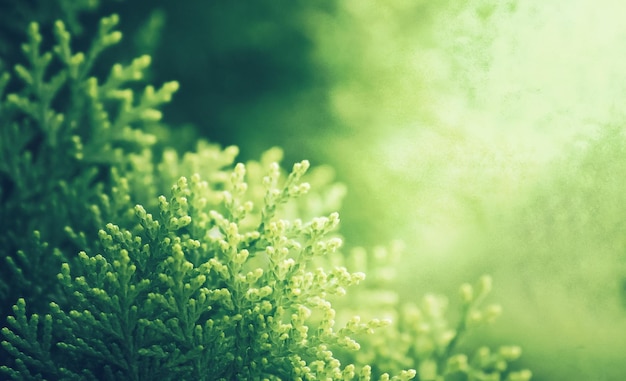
{"points": [[485, 135]]}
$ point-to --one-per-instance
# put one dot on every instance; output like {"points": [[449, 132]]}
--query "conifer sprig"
{"points": [[62, 133]]}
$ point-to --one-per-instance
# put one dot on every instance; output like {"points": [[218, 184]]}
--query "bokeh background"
{"points": [[487, 135]]}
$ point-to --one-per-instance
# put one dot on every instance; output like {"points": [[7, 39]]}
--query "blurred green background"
{"points": [[487, 135]]}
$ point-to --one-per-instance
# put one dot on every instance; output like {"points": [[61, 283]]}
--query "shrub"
{"points": [[232, 275]]}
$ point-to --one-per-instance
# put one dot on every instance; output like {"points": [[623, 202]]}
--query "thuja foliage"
{"points": [[421, 334], [62, 132], [123, 261]]}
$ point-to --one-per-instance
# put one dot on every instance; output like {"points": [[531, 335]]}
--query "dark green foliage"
{"points": [[62, 132]]}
